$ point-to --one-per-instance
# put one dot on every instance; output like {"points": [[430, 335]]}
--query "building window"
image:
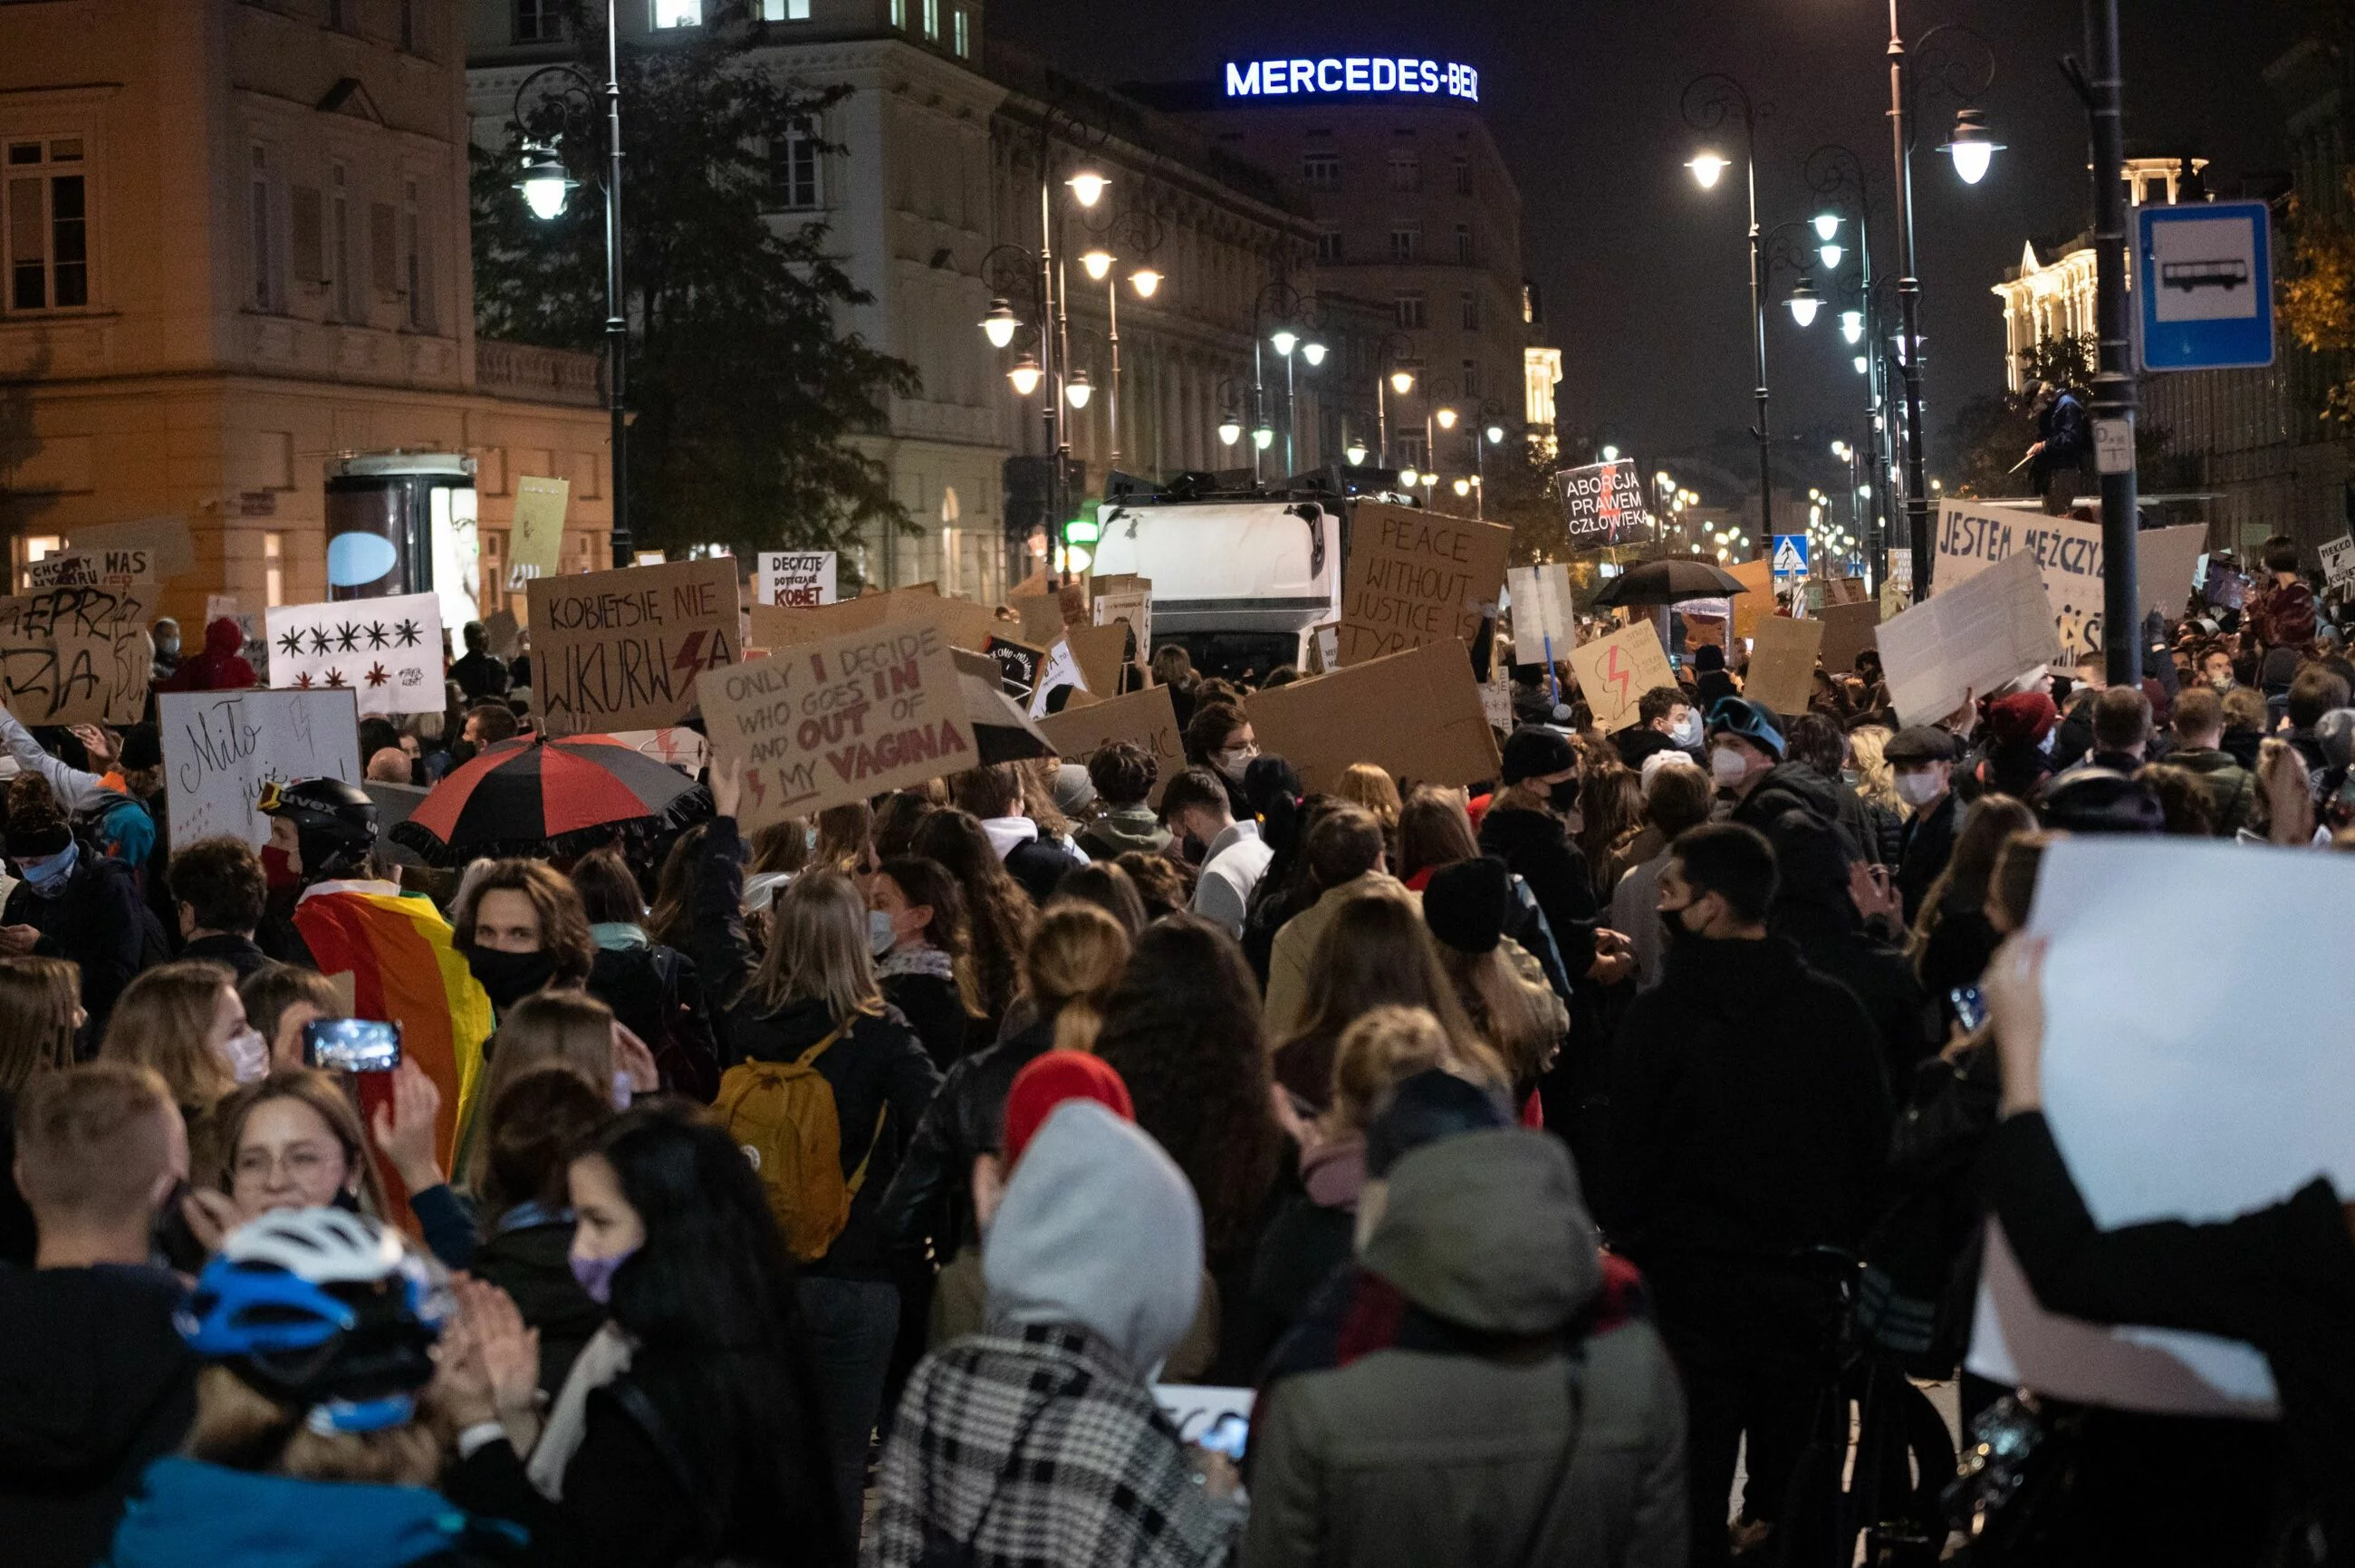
{"points": [[268, 292], [784, 10], [1471, 311], [1462, 176], [1406, 171], [1409, 448], [1463, 242], [1410, 309], [343, 288], [416, 266], [933, 20], [1328, 245], [963, 36], [538, 21], [678, 14], [1470, 371], [1404, 239], [1321, 171], [794, 183], [47, 224], [900, 13]]}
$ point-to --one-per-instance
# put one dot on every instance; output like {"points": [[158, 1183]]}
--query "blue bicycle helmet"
{"points": [[321, 1309]]}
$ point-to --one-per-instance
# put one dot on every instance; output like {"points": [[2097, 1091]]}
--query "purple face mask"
{"points": [[596, 1275]]}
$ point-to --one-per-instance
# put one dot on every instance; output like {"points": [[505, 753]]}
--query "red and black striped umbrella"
{"points": [[537, 796]]}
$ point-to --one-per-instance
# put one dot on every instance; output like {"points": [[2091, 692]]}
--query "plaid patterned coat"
{"points": [[1100, 1480]]}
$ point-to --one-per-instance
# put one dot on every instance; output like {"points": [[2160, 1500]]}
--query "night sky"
{"points": [[1644, 274]]}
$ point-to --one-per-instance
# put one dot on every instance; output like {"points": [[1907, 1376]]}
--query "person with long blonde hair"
{"points": [[40, 1014], [1875, 781], [187, 1021], [813, 1000]]}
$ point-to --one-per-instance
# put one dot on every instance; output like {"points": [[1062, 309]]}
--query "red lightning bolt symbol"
{"points": [[690, 653], [1615, 676]]}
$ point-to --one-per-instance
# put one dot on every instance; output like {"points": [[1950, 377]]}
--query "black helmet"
{"points": [[335, 822], [2102, 800]]}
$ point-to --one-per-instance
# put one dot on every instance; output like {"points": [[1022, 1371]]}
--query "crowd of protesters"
{"points": [[845, 1191]]}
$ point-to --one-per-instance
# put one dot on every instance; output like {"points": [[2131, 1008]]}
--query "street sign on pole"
{"points": [[1790, 555], [2204, 286]]}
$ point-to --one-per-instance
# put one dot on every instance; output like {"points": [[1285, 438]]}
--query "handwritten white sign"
{"points": [[803, 582], [388, 652], [221, 747]]}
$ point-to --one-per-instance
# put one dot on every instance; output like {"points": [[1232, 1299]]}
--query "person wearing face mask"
{"points": [[1749, 1120], [691, 1426], [1922, 761], [71, 902], [1750, 763], [1665, 721], [1220, 738], [1230, 855], [924, 954], [221, 667], [166, 634]]}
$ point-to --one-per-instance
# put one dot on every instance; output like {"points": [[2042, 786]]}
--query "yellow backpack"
{"points": [[782, 1113]]}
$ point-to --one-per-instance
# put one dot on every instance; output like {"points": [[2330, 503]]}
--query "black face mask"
{"points": [[1564, 797], [509, 977], [461, 753]]}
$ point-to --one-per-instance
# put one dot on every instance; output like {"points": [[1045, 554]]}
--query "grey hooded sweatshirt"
{"points": [[1537, 1447]]}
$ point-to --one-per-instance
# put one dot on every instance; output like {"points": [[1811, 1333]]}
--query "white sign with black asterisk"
{"points": [[387, 652]]}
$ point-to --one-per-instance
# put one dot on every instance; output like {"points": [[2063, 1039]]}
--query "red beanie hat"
{"points": [[2021, 717], [1048, 1081]]}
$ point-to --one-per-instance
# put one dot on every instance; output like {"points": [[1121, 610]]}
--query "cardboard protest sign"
{"points": [[675, 747], [2068, 555], [2155, 1124], [1842, 589], [1416, 714], [1783, 663], [1059, 669], [1542, 611], [220, 607], [1601, 502], [1043, 616], [2165, 560], [49, 662], [221, 747], [965, 624], [1131, 605], [503, 632], [1848, 630], [1098, 651], [2338, 558], [1968, 638], [803, 581], [64, 569], [535, 531], [1757, 597], [1614, 672], [825, 723], [1416, 576], [1017, 666], [388, 652], [170, 552], [621, 650], [1148, 718]]}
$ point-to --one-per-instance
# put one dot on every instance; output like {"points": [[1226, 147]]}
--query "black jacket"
{"points": [[1925, 847], [1638, 742], [98, 921], [657, 993], [875, 1065], [934, 1008], [94, 1383], [1749, 1117], [1536, 847], [1834, 941], [1795, 786], [533, 1263], [932, 1194], [2280, 1278], [1956, 955], [1039, 866], [240, 953]]}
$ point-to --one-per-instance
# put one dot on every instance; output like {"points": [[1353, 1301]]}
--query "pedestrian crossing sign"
{"points": [[1790, 555]]}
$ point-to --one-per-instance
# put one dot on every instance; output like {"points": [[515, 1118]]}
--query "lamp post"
{"points": [[1970, 149], [2097, 81], [1137, 231], [1390, 378], [1709, 102], [1292, 312], [1837, 173], [546, 187]]}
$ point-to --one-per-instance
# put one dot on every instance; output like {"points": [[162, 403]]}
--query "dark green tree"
{"points": [[1992, 431], [749, 398]]}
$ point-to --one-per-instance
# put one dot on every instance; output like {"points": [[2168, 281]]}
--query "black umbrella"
{"points": [[1667, 581]]}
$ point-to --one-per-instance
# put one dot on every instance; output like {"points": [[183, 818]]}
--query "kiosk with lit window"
{"points": [[403, 522]]}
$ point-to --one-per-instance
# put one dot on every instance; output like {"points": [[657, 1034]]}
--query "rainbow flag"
{"points": [[399, 953]]}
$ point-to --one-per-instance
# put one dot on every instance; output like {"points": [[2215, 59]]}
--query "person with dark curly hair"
{"points": [[1123, 773], [1183, 1030], [999, 915]]}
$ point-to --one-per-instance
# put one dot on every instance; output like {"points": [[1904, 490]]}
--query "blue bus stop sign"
{"points": [[2203, 286]]}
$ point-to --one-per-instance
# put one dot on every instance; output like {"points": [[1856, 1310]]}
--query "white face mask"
{"points": [[1728, 766], [249, 1055], [1918, 789], [881, 934], [1236, 762], [1686, 732]]}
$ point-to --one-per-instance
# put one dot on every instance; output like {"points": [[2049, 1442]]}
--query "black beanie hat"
{"points": [[1432, 1104], [1465, 904], [1533, 752]]}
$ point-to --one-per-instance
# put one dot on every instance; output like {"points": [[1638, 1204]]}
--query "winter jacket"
{"points": [[98, 921], [1833, 940], [922, 983], [1795, 786], [1537, 848], [1748, 1111], [194, 1515], [657, 993], [881, 1076], [529, 1254], [1313, 1235], [1495, 1431], [240, 953], [2281, 615], [1289, 960], [1122, 829], [2281, 1278], [1924, 848], [931, 1195], [221, 667], [2231, 787], [1923, 1254], [1956, 955], [94, 1383]]}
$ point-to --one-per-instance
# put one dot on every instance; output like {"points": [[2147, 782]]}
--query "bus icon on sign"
{"points": [[2228, 273]]}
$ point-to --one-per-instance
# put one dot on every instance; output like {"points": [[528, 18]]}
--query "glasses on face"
{"points": [[305, 1165]]}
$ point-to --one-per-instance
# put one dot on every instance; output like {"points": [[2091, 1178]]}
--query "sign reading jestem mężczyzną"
{"points": [[1342, 76]]}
